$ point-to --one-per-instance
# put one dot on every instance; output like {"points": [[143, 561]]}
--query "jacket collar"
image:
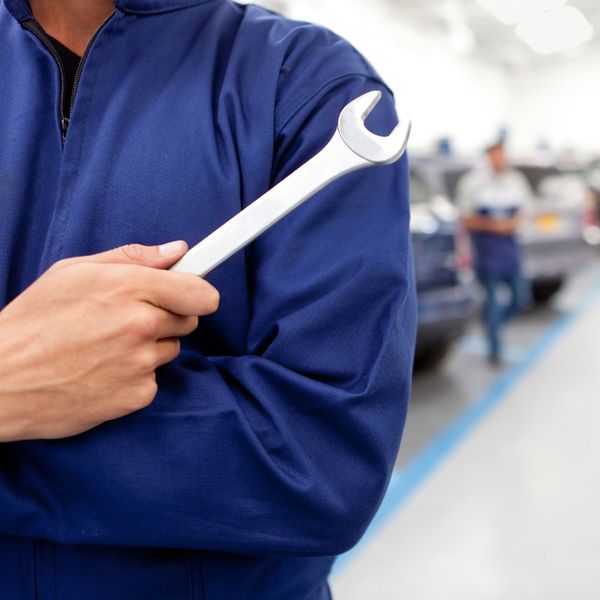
{"points": [[21, 10], [157, 6]]}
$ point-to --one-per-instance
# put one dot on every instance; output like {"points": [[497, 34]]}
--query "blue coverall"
{"points": [[272, 438]]}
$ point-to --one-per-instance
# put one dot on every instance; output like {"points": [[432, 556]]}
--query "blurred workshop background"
{"points": [[497, 488]]}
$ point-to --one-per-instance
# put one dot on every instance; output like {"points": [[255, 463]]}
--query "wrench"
{"points": [[352, 147]]}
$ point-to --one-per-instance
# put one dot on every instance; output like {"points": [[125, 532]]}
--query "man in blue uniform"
{"points": [[236, 462], [493, 201]]}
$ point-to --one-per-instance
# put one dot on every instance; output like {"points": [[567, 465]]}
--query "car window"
{"points": [[537, 175], [452, 178]]}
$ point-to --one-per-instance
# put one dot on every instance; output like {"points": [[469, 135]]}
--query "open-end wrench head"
{"points": [[377, 149]]}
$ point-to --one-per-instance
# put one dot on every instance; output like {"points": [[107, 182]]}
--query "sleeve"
{"points": [[288, 448]]}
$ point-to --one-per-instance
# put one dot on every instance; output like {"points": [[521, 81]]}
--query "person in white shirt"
{"points": [[493, 201]]}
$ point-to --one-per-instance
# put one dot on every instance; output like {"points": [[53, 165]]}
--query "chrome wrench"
{"points": [[352, 147]]}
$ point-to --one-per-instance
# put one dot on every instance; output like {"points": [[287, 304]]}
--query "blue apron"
{"points": [[496, 254]]}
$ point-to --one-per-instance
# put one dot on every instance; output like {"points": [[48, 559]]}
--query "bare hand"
{"points": [[508, 226], [80, 346]]}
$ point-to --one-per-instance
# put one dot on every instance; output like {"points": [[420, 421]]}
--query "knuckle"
{"points": [[133, 252], [147, 360], [150, 391], [124, 278], [174, 350], [145, 324], [170, 351], [146, 394]]}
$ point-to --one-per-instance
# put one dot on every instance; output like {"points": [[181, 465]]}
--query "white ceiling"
{"points": [[495, 41]]}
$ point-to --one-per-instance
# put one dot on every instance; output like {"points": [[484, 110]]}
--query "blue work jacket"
{"points": [[272, 438]]}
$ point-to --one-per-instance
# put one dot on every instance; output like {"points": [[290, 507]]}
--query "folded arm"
{"points": [[480, 223], [288, 448]]}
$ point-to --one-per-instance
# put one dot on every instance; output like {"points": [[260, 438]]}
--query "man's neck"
{"points": [[71, 22]]}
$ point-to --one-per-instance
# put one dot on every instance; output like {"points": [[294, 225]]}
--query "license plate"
{"points": [[549, 223]]}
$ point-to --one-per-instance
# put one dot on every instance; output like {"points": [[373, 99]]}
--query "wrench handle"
{"points": [[334, 161]]}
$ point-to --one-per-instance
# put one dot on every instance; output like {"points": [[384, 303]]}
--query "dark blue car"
{"points": [[443, 284]]}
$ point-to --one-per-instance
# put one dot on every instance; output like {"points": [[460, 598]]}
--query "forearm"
{"points": [[15, 372], [284, 450], [478, 223], [239, 454]]}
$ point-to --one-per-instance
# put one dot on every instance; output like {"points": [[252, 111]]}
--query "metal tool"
{"points": [[351, 148]]}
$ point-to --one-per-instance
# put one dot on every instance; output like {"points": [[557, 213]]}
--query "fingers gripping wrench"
{"points": [[352, 147]]}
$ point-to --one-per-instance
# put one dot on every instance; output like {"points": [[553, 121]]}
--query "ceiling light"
{"points": [[556, 30], [512, 12]]}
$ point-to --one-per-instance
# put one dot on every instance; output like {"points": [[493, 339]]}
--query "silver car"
{"points": [[556, 238]]}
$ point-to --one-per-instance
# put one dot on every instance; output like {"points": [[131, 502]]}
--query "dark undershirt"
{"points": [[70, 62]]}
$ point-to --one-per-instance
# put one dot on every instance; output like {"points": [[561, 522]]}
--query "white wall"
{"points": [[558, 102], [445, 94], [466, 97]]}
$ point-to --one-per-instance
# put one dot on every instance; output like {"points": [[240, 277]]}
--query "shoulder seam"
{"points": [[289, 111]]}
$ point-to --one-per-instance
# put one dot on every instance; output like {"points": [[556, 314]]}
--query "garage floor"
{"points": [[497, 492]]}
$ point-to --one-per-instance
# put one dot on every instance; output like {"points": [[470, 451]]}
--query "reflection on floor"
{"points": [[498, 488]]}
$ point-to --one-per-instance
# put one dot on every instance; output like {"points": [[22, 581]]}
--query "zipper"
{"points": [[83, 58], [35, 28]]}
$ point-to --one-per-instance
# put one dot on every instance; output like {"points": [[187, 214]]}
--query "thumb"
{"points": [[159, 257]]}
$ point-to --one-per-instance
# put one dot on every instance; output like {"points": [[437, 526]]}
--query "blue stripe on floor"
{"points": [[405, 482], [474, 344]]}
